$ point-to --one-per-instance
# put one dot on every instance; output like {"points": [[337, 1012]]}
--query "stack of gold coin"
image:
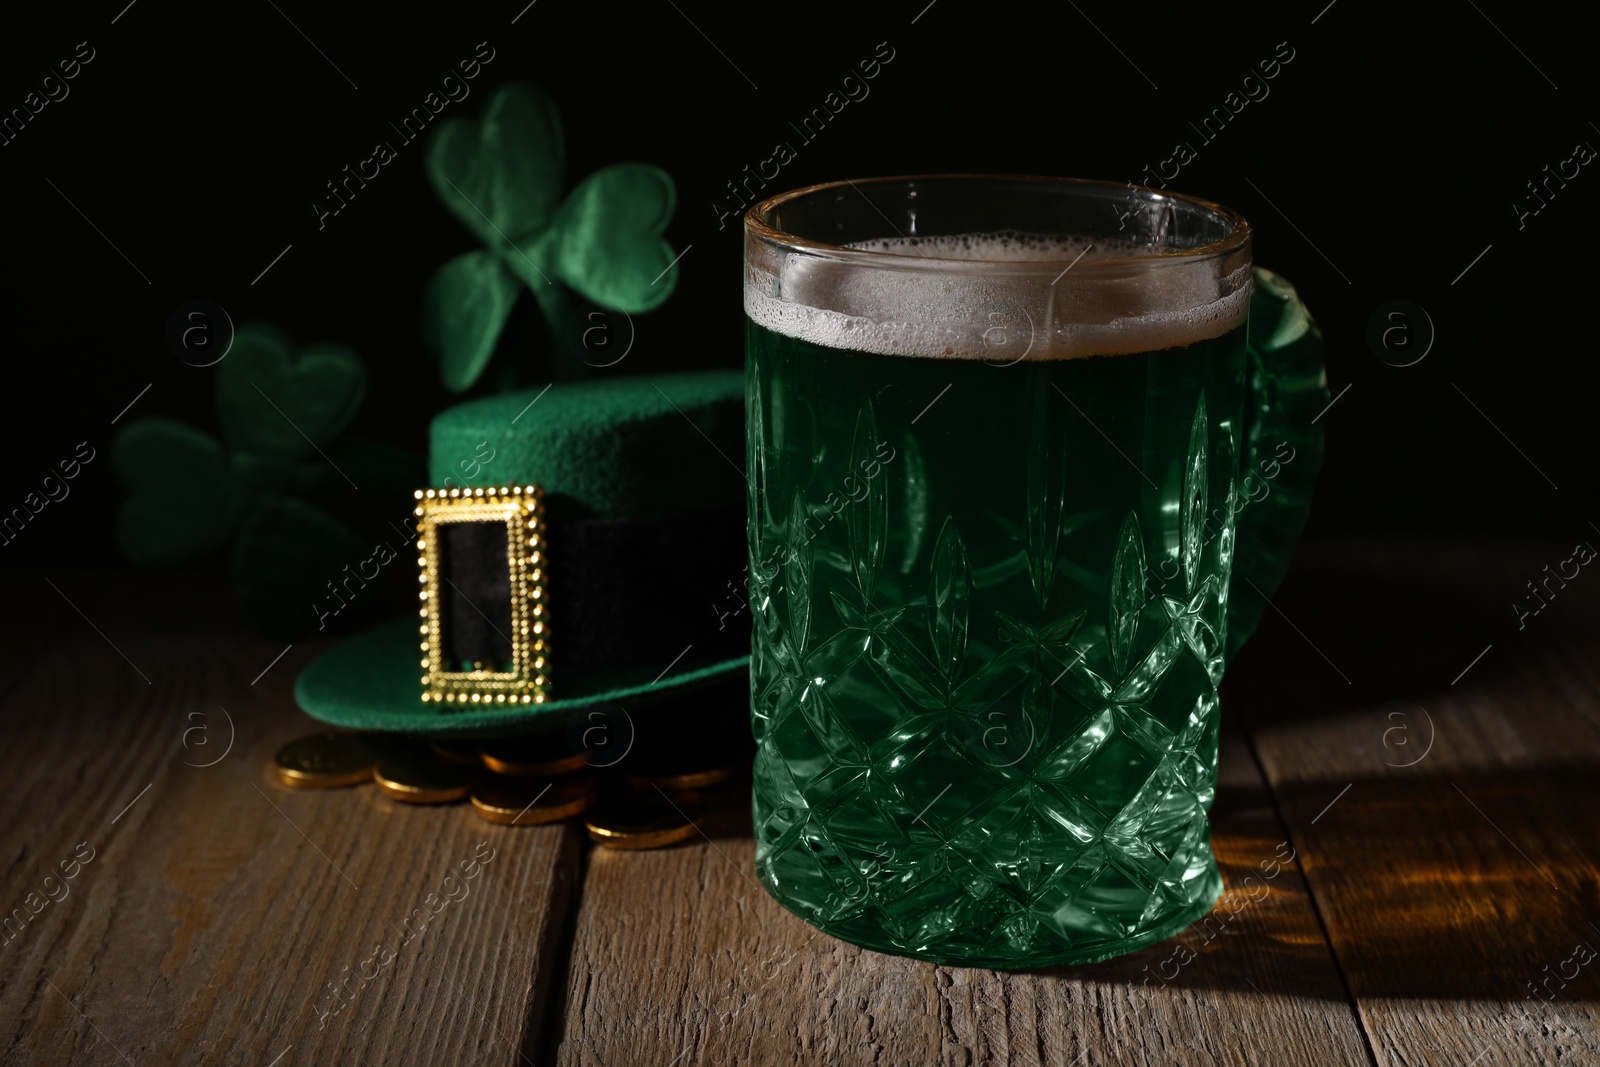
{"points": [[415, 774], [679, 781], [326, 761], [678, 767], [652, 802], [664, 792], [532, 755], [530, 801], [639, 819], [460, 753], [531, 779]]}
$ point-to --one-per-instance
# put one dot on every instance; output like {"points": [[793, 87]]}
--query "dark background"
{"points": [[1396, 141]]}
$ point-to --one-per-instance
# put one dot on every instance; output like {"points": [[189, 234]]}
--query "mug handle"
{"points": [[1286, 387]]}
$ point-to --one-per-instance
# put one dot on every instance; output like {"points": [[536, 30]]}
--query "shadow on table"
{"points": [[1346, 632], [1468, 917], [1359, 625]]}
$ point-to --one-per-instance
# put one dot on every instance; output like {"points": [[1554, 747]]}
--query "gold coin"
{"points": [[541, 755], [530, 803], [681, 781], [633, 820], [414, 775], [325, 761], [460, 753]]}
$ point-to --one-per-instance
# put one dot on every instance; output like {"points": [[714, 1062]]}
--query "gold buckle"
{"points": [[521, 508]]}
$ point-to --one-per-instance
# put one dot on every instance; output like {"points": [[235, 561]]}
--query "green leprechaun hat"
{"points": [[581, 545]]}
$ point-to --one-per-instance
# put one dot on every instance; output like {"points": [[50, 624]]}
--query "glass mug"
{"points": [[1023, 472]]}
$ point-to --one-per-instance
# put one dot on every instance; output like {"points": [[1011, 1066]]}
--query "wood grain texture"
{"points": [[680, 953], [1440, 805], [1456, 880], [217, 906]]}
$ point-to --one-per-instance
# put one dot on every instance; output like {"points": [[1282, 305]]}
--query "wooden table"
{"points": [[1429, 765]]}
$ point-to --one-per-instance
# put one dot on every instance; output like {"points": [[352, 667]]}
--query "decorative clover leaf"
{"points": [[606, 239], [280, 404], [281, 410], [501, 176], [463, 312], [181, 503]]}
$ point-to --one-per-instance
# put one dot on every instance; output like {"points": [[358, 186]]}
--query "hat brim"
{"points": [[369, 682]]}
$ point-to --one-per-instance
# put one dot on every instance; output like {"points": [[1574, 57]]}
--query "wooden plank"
{"points": [[212, 908], [1457, 881], [680, 953]]}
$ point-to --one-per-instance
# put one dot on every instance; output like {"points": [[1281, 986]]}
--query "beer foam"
{"points": [[999, 315]]}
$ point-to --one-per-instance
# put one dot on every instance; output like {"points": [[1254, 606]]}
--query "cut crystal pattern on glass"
{"points": [[984, 689]]}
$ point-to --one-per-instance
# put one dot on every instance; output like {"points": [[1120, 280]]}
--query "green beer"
{"points": [[990, 557]]}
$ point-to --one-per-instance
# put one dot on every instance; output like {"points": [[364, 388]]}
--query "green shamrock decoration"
{"points": [[501, 177], [264, 488]]}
